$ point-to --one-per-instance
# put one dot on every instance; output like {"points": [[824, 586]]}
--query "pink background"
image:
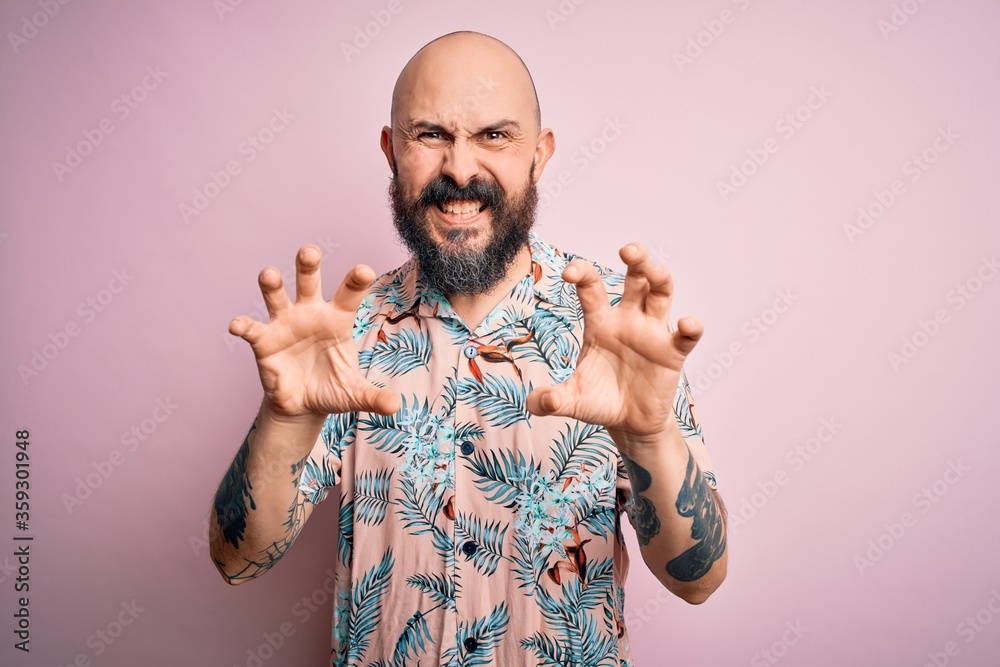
{"points": [[801, 527]]}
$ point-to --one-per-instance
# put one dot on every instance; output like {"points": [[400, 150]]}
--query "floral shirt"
{"points": [[471, 531]]}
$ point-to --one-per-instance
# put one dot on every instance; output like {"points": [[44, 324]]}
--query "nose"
{"points": [[460, 163]]}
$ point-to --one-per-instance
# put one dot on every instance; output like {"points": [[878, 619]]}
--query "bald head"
{"points": [[461, 71]]}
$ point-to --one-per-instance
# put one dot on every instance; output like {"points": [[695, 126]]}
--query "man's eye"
{"points": [[495, 135], [430, 135]]}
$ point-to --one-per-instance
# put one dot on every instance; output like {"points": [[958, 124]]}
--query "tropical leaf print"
{"points": [[682, 409], [498, 398], [487, 631], [339, 431], [502, 475], [489, 535], [575, 637], [414, 639], [366, 605], [389, 433], [439, 587], [418, 509], [402, 352], [345, 546], [371, 495], [580, 445]]}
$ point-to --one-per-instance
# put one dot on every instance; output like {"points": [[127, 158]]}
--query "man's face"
{"points": [[460, 256], [463, 147]]}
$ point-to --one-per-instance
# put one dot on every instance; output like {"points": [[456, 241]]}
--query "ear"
{"points": [[544, 148], [385, 141]]}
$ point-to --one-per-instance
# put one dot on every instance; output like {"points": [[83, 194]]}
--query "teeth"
{"points": [[461, 208]]}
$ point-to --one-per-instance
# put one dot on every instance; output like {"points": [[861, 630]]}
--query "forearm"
{"points": [[680, 520], [258, 511]]}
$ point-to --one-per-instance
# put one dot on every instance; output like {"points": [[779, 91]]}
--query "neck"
{"points": [[473, 308]]}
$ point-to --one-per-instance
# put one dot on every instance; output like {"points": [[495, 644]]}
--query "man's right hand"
{"points": [[306, 355]]}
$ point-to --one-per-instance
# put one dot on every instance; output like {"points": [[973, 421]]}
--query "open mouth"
{"points": [[462, 209]]}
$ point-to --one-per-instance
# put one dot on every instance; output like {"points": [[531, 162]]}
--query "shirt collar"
{"points": [[408, 294]]}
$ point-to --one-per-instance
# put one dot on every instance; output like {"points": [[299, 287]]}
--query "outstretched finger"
{"points": [[378, 400], [307, 275], [661, 291], [589, 288], [353, 288], [636, 258], [689, 332], [247, 328], [551, 400], [273, 288]]}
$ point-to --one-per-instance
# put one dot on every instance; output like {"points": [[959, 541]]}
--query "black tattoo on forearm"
{"points": [[647, 524], [233, 496], [695, 500], [233, 503]]}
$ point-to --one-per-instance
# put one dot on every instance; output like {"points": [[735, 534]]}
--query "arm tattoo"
{"points": [[643, 513], [695, 500], [234, 495], [231, 509]]}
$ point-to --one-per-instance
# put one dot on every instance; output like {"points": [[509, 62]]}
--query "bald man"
{"points": [[484, 414]]}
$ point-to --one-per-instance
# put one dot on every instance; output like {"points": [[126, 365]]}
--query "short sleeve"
{"points": [[323, 465], [690, 426]]}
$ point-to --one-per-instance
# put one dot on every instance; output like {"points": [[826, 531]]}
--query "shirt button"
{"points": [[471, 644], [470, 548], [470, 350], [468, 447]]}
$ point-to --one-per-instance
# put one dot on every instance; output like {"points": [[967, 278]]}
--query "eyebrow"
{"points": [[427, 126]]}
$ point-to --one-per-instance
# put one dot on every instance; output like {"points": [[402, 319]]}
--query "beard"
{"points": [[450, 267]]}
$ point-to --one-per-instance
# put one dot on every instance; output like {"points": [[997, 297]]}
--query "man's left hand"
{"points": [[630, 361]]}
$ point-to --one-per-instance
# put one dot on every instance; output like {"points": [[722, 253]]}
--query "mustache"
{"points": [[443, 189]]}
